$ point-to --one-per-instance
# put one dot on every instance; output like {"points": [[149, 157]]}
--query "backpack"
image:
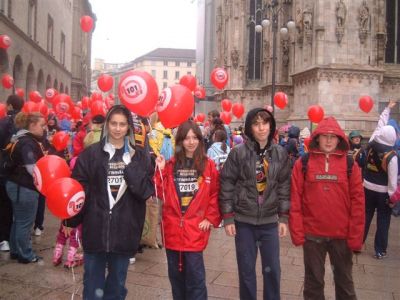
{"points": [[379, 161], [306, 156], [166, 147], [7, 165], [294, 155]]}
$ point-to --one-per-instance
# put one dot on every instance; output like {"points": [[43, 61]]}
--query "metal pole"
{"points": [[274, 31]]}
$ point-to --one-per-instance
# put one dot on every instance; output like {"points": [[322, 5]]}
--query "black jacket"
{"points": [[117, 230]]}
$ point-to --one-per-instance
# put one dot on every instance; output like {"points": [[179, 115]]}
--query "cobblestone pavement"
{"points": [[148, 279]]}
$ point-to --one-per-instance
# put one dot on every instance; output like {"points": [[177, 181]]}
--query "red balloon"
{"points": [[43, 109], [3, 110], [219, 78], [315, 113], [50, 95], [96, 96], [62, 104], [200, 92], [76, 113], [105, 82], [226, 117], [60, 140], [7, 81], [65, 198], [79, 104], [138, 91], [366, 103], [20, 92], [48, 169], [98, 108], [281, 99], [30, 107], [226, 105], [85, 103], [175, 105], [86, 23], [35, 96], [201, 117], [189, 81], [109, 102], [5, 41], [111, 95], [238, 110]]}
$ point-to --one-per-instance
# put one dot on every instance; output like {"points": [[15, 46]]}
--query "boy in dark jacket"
{"points": [[327, 211], [254, 200]]}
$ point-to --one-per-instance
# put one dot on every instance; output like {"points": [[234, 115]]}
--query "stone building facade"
{"points": [[48, 46], [338, 51]]}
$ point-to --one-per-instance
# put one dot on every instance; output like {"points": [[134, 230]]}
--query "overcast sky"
{"points": [[127, 29]]}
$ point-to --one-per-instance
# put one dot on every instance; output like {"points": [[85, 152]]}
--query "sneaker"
{"points": [[37, 232], [132, 260], [4, 246], [35, 259], [379, 255]]}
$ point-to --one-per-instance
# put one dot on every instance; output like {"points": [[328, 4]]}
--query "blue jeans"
{"points": [[24, 203], [378, 201], [190, 282], [248, 239], [96, 285]]}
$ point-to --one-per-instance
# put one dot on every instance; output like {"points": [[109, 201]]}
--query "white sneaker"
{"points": [[37, 232], [4, 246], [132, 260]]}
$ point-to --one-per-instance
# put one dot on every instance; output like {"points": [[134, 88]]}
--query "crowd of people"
{"points": [[258, 181]]}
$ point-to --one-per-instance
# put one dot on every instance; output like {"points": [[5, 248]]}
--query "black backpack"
{"points": [[7, 165]]}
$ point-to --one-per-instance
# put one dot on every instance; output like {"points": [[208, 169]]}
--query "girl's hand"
{"points": [[205, 225], [391, 104], [160, 162], [66, 230]]}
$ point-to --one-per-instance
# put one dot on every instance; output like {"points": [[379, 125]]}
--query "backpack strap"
{"points": [[386, 159], [305, 157]]}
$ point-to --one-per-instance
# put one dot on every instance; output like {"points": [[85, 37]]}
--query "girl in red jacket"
{"points": [[189, 186]]}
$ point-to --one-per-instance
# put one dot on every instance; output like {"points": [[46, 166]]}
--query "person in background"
{"points": [[7, 129], [356, 149], [254, 200], [94, 134], [219, 150], [20, 186], [117, 179], [327, 212], [188, 185]]}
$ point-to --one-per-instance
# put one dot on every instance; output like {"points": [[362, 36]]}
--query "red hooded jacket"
{"points": [[325, 201], [181, 232]]}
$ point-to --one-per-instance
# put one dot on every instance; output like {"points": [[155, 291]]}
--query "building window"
{"points": [[62, 49], [165, 75], [9, 8], [165, 85], [392, 54], [50, 34], [176, 75], [165, 62], [189, 73], [153, 73], [189, 63], [177, 64], [255, 42], [32, 13]]}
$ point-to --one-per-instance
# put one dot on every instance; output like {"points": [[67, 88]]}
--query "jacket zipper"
{"points": [[108, 230]]}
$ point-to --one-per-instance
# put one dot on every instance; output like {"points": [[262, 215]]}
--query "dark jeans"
{"points": [[6, 215], [40, 212], [96, 285], [340, 257], [378, 201], [248, 239], [190, 283], [24, 204]]}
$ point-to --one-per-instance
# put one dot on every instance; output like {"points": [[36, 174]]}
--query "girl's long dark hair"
{"points": [[220, 136], [199, 155]]}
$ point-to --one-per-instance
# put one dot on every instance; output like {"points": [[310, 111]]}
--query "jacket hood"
{"points": [[393, 123], [331, 126], [247, 125], [294, 132], [131, 130], [386, 136]]}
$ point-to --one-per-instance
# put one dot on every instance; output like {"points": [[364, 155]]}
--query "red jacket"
{"points": [[181, 232], [325, 202]]}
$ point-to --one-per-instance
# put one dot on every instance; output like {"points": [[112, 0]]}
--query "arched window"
{"points": [[255, 42], [392, 53]]}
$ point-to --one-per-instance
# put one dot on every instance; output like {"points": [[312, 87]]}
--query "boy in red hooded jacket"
{"points": [[327, 213]]}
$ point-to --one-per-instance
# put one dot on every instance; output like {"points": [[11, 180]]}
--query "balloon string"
{"points": [[72, 268]]}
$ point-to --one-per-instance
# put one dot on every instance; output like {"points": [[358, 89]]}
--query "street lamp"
{"points": [[273, 9]]}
